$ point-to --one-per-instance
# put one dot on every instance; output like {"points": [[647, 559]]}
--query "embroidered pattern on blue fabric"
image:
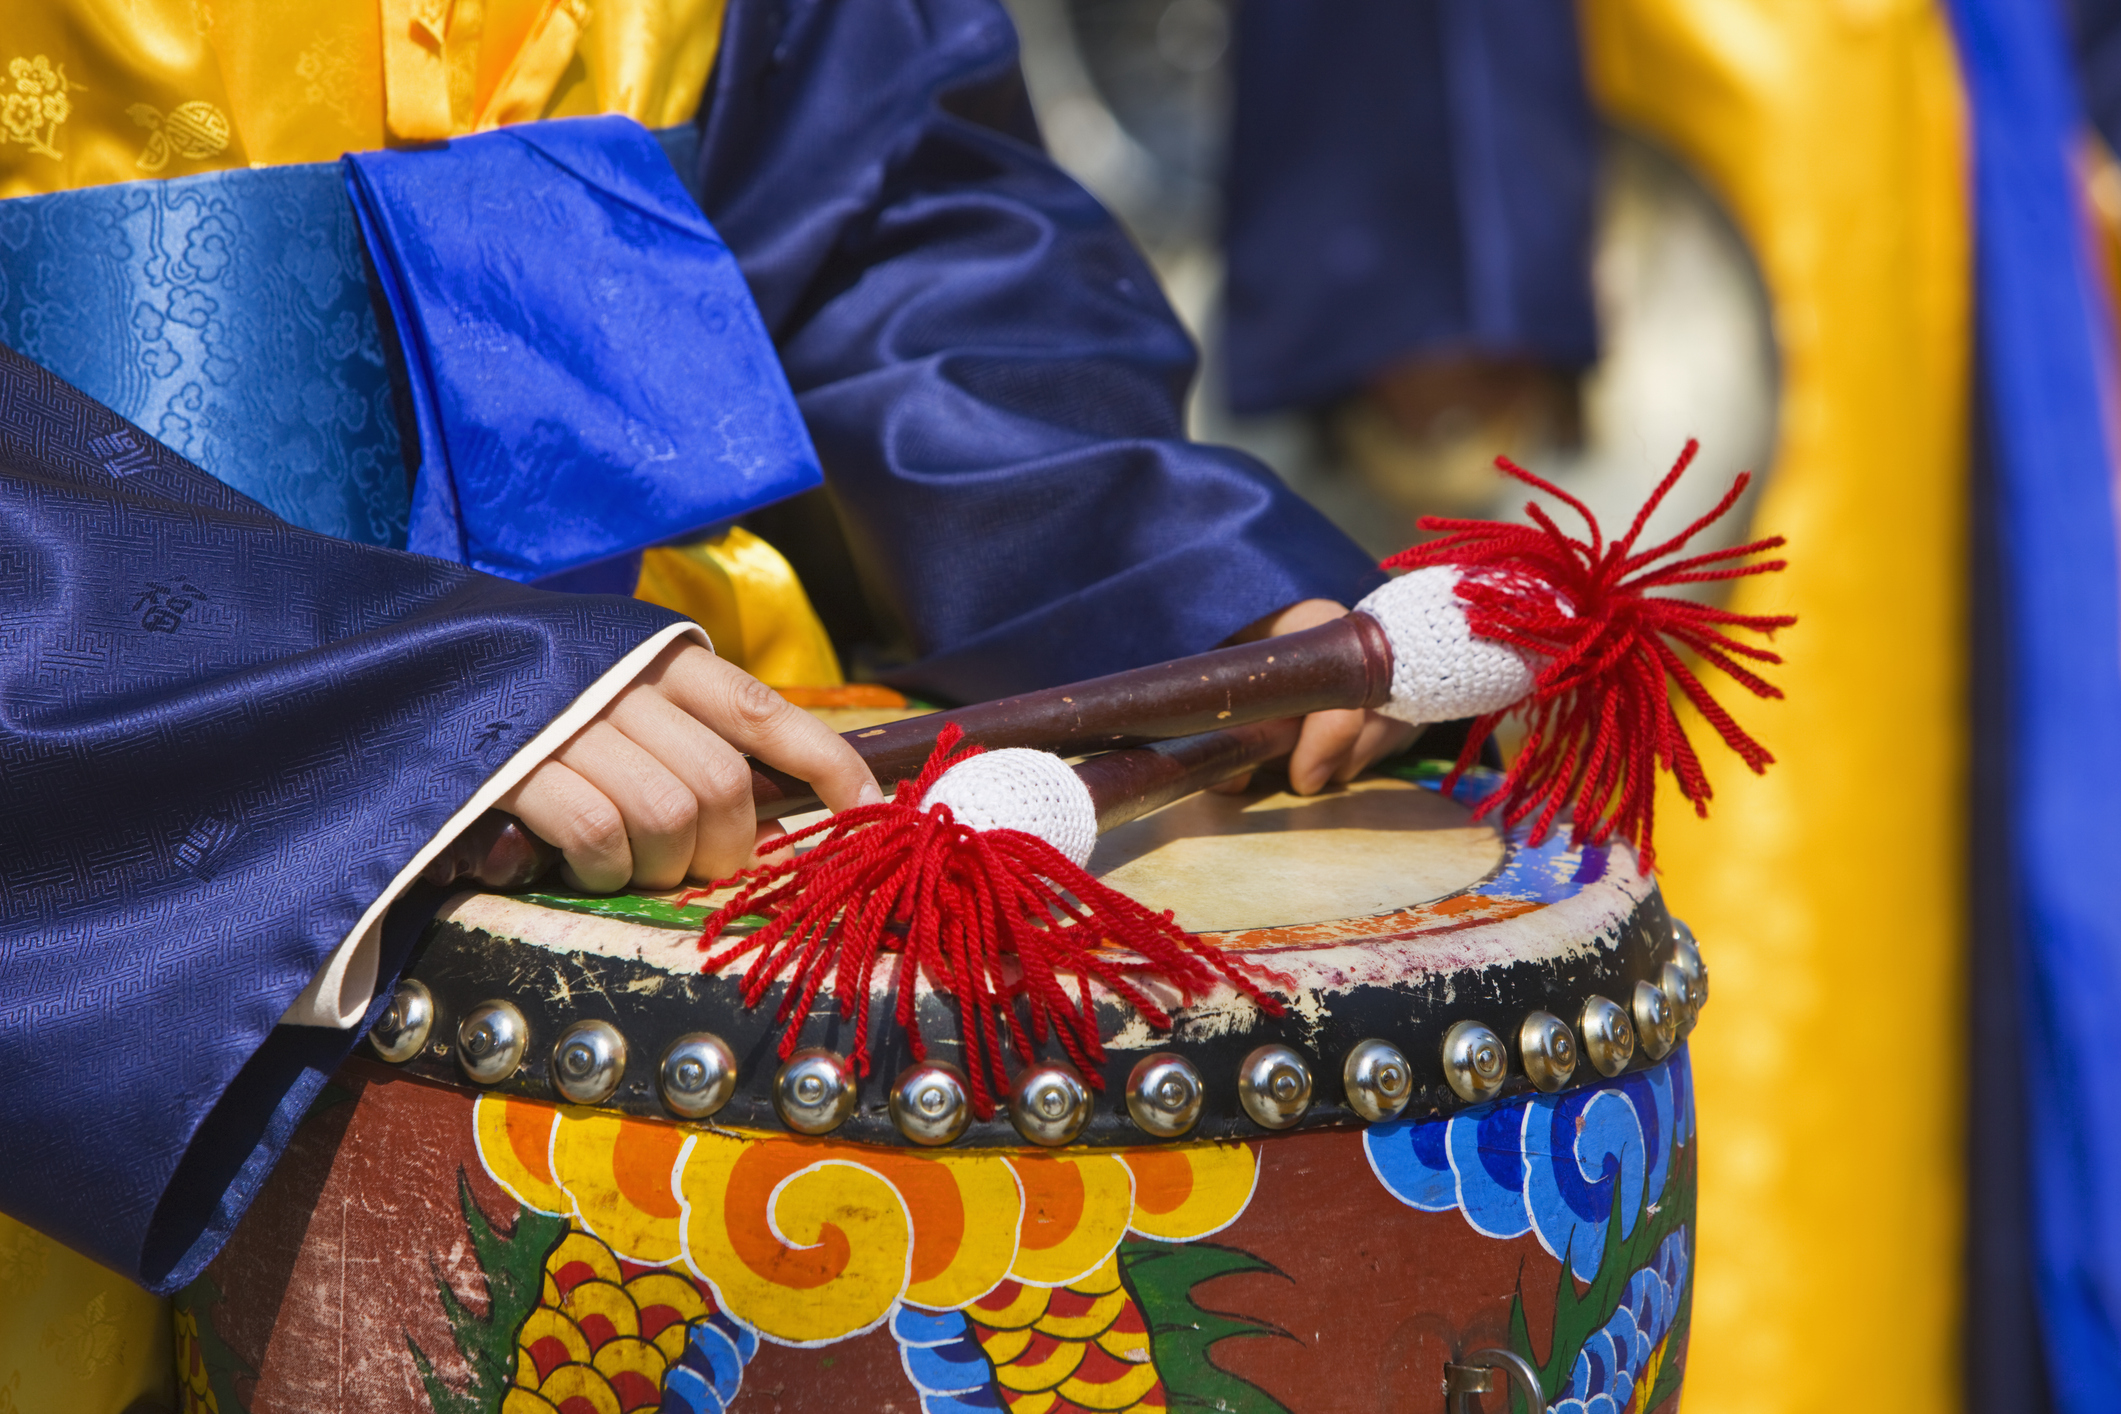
{"points": [[227, 314]]}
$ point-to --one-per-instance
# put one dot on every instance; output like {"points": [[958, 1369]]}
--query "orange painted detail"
{"points": [[931, 1195], [529, 1131], [641, 1163], [1053, 1200], [747, 1219], [1163, 1179]]}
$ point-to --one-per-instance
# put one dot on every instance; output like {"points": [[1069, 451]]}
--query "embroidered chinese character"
{"points": [[166, 605]]}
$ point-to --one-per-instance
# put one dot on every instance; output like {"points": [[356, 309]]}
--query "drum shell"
{"points": [[1329, 1270], [431, 1243]]}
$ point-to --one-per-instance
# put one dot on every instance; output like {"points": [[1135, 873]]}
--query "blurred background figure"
{"points": [[1408, 234], [1406, 243]]}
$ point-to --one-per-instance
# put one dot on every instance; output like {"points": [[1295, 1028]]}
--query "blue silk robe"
{"points": [[221, 736]]}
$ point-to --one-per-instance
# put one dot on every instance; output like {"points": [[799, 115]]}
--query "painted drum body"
{"points": [[429, 1243]]}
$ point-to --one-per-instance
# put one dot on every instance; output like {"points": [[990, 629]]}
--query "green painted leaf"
{"points": [[1161, 1277], [637, 908], [1579, 1315], [514, 1268]]}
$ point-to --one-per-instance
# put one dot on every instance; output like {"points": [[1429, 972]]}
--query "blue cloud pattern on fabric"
{"points": [[1553, 1165]]}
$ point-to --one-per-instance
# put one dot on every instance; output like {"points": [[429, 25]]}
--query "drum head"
{"points": [[1269, 859], [1385, 913]]}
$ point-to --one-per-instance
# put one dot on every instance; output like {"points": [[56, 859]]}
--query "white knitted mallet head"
{"points": [[1019, 789], [1440, 670]]}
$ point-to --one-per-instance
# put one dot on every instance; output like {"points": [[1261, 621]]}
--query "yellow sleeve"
{"points": [[100, 91], [747, 597], [75, 1336]]}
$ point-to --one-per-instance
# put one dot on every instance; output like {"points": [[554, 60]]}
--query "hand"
{"points": [[1337, 745], [656, 789]]}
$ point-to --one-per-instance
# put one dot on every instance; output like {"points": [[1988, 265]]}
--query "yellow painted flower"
{"points": [[812, 1241]]}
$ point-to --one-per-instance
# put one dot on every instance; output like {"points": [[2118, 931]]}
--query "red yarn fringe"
{"points": [[951, 902], [1601, 715]]}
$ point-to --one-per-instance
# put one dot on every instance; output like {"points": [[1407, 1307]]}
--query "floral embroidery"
{"points": [[327, 77], [24, 1259], [194, 130], [31, 115], [88, 1342]]}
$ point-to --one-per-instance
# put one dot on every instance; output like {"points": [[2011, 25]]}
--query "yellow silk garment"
{"points": [[1828, 894], [74, 1337], [102, 91], [740, 589]]}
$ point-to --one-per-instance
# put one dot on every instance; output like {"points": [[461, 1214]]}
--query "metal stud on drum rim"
{"points": [[1688, 955], [1475, 1061], [1678, 989], [697, 1075], [1548, 1049], [1656, 1020], [1378, 1079], [1608, 1036], [929, 1103], [491, 1040], [814, 1092], [1049, 1104], [1274, 1085], [588, 1062], [402, 1030], [1164, 1094]]}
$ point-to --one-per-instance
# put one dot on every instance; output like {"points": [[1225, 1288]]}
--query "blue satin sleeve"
{"points": [[993, 381], [221, 737], [1405, 177]]}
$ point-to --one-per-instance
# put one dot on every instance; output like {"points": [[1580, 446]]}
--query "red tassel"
{"points": [[951, 902], [1600, 714]]}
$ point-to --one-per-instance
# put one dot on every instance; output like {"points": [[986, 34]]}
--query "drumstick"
{"points": [[498, 853], [1345, 663], [975, 871], [1492, 617]]}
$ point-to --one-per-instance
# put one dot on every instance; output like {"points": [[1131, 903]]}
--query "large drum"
{"points": [[1461, 1161]]}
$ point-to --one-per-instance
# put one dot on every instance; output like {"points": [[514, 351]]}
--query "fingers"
{"points": [[659, 811], [566, 811], [1327, 741], [767, 849], [1380, 737], [755, 719], [1337, 746], [711, 772]]}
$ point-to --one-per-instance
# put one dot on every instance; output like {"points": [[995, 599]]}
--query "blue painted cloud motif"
{"points": [[944, 1361], [1616, 1357], [711, 1371], [1554, 1165]]}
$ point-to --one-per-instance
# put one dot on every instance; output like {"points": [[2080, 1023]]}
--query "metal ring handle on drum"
{"points": [[1517, 1372]]}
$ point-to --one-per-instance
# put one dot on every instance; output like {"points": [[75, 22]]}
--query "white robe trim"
{"points": [[339, 995]]}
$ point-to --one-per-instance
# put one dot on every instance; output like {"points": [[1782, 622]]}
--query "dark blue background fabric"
{"points": [[993, 380], [228, 315], [1406, 177], [587, 370], [2046, 362], [220, 738]]}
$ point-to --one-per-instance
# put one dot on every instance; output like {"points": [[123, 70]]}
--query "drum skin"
{"points": [[425, 1245]]}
